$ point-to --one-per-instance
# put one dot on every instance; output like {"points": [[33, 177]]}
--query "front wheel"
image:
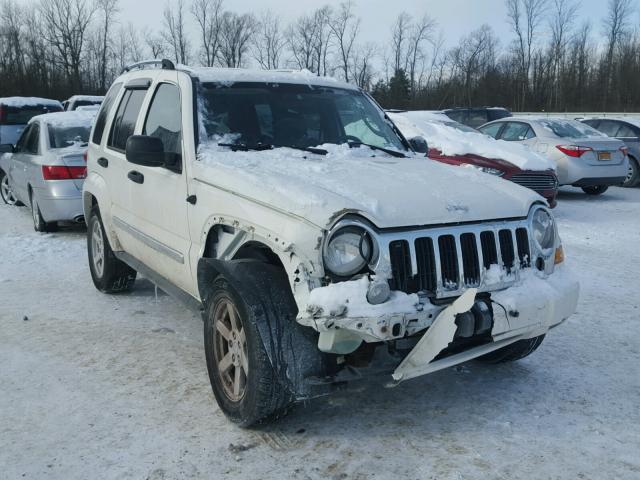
{"points": [[513, 352], [6, 192], [633, 177], [595, 190], [245, 385], [109, 274]]}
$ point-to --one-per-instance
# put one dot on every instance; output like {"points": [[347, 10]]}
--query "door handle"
{"points": [[103, 162], [136, 177]]}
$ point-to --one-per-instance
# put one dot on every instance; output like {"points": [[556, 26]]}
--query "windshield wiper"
{"points": [[393, 153], [319, 151], [244, 147]]}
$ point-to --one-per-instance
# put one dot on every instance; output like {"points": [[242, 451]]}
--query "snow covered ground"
{"points": [[96, 386]]}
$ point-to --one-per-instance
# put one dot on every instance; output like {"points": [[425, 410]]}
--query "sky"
{"points": [[455, 17]]}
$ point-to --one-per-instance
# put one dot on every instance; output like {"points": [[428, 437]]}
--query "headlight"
{"points": [[543, 229], [348, 251], [490, 171]]}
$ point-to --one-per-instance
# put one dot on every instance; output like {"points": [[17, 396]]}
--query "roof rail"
{"points": [[164, 64]]}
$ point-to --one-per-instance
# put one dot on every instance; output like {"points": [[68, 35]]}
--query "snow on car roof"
{"points": [[234, 75], [441, 132], [86, 98], [553, 124], [28, 102], [75, 118]]}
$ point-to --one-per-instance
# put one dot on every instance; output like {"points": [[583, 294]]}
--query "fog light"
{"points": [[378, 292], [559, 258]]}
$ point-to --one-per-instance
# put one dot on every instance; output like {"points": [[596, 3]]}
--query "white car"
{"points": [[313, 257], [585, 157], [46, 168], [78, 101]]}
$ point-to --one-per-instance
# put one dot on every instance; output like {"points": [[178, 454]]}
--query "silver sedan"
{"points": [[585, 157], [46, 168]]}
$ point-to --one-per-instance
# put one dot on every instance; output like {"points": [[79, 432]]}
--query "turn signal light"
{"points": [[62, 172], [559, 258]]}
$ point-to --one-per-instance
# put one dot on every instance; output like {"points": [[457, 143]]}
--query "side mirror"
{"points": [[419, 144], [6, 148], [146, 151]]}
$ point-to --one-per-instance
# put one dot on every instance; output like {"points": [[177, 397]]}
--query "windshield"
{"points": [[298, 116], [61, 137], [22, 115], [570, 129]]}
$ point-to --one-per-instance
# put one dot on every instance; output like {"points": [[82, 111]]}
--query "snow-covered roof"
{"points": [[28, 102], [85, 98], [548, 122], [441, 133], [234, 75], [75, 118]]}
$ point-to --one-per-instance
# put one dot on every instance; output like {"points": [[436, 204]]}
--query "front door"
{"points": [[27, 148]]}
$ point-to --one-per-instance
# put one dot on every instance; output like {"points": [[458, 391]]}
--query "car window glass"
{"points": [[164, 120], [124, 122], [515, 132], [101, 120], [477, 118], [591, 123], [492, 130], [458, 116], [626, 131], [32, 145], [609, 128], [22, 140]]}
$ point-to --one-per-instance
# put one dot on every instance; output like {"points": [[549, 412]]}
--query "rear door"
{"points": [[159, 211], [26, 152]]}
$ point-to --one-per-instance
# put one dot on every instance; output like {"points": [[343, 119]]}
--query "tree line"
{"points": [[553, 61]]}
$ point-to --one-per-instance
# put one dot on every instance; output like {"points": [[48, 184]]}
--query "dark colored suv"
{"points": [[474, 117]]}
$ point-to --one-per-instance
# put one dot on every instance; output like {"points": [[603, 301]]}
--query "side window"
{"points": [[164, 119], [32, 145], [592, 123], [124, 122], [477, 118], [627, 131], [609, 127], [457, 115], [22, 140], [515, 132], [101, 120], [492, 130]]}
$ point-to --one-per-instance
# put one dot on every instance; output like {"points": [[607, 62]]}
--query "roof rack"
{"points": [[164, 64]]}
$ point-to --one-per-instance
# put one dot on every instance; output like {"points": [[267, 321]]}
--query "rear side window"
{"points": [[516, 131], [164, 120], [609, 127], [32, 144], [627, 131], [492, 130], [124, 122], [104, 111]]}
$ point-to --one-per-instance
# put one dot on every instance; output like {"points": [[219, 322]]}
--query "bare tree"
{"points": [[525, 16], [399, 39], [107, 10], [309, 39], [235, 35], [421, 32], [66, 23], [616, 26], [154, 43], [362, 65], [345, 26], [174, 31], [268, 42], [208, 15], [564, 14], [473, 56]]}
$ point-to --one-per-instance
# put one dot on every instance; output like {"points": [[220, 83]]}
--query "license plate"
{"points": [[604, 156]]}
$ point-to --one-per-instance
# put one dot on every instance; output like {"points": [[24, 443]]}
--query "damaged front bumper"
{"points": [[526, 310]]}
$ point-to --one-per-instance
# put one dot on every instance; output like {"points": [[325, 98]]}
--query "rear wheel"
{"points": [[109, 274], [39, 224], [515, 351], [633, 177], [244, 382], [595, 189], [6, 191]]}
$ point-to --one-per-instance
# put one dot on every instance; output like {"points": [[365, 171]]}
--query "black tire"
{"points": [[595, 189], [513, 352], [110, 275], [264, 396], [633, 179], [5, 191], [39, 224]]}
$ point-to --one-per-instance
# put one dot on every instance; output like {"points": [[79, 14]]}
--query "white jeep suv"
{"points": [[318, 246]]}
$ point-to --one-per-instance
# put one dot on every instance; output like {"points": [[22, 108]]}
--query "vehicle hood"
{"points": [[390, 192]]}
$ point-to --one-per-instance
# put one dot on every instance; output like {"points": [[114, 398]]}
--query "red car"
{"points": [[543, 182], [464, 146]]}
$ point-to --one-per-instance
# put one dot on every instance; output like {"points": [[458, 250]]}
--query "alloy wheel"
{"points": [[97, 249], [7, 192], [230, 350]]}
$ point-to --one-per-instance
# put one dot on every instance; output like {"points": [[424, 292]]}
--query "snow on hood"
{"points": [[28, 102], [75, 118], [390, 192], [436, 129]]}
